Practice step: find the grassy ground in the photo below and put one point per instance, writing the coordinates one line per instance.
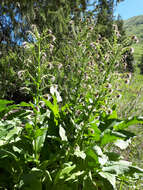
(131, 104)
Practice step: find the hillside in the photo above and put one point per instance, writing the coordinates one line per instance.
(134, 26)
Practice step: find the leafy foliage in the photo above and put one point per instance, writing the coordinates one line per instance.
(62, 139)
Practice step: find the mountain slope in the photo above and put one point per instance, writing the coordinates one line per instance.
(134, 26)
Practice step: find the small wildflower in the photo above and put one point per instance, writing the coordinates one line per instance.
(44, 57)
(88, 20)
(108, 85)
(118, 34)
(51, 48)
(91, 130)
(21, 74)
(89, 107)
(49, 31)
(125, 65)
(131, 50)
(97, 118)
(127, 81)
(129, 75)
(109, 111)
(60, 66)
(91, 28)
(78, 112)
(110, 91)
(135, 39)
(71, 22)
(92, 44)
(118, 96)
(79, 44)
(96, 95)
(115, 27)
(53, 78)
(54, 38)
(99, 37)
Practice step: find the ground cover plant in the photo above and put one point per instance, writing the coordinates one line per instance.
(64, 137)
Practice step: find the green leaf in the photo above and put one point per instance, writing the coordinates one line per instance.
(107, 137)
(113, 115)
(75, 175)
(5, 102)
(5, 153)
(68, 167)
(113, 156)
(79, 153)
(125, 124)
(16, 149)
(40, 139)
(30, 130)
(109, 177)
(62, 133)
(91, 154)
(24, 104)
(122, 144)
(118, 168)
(102, 158)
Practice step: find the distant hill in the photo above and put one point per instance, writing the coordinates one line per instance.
(134, 26)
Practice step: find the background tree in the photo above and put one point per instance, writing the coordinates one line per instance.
(104, 17)
(128, 55)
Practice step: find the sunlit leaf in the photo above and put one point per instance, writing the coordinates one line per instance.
(62, 133)
(110, 177)
(122, 144)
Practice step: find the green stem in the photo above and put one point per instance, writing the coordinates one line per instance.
(121, 185)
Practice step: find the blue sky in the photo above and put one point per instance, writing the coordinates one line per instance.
(129, 8)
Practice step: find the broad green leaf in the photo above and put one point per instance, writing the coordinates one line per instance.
(98, 150)
(48, 104)
(125, 124)
(113, 115)
(79, 153)
(113, 156)
(24, 104)
(75, 175)
(62, 133)
(5, 153)
(54, 92)
(135, 169)
(122, 144)
(118, 168)
(91, 154)
(68, 167)
(109, 177)
(40, 139)
(103, 159)
(16, 149)
(108, 138)
(13, 132)
(53, 107)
